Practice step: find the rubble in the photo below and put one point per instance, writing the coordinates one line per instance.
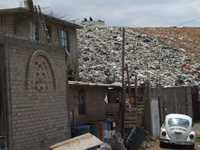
(148, 57)
(105, 146)
(149, 141)
(117, 142)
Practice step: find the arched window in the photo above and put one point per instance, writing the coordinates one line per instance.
(81, 103)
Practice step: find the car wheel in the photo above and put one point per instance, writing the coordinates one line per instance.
(162, 144)
(192, 147)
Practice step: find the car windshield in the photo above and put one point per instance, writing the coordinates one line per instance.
(178, 122)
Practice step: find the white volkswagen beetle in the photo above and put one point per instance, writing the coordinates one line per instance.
(177, 129)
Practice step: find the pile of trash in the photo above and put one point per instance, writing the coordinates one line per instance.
(149, 142)
(116, 143)
(147, 57)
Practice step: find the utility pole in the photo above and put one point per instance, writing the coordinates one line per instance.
(128, 80)
(136, 88)
(136, 96)
(123, 96)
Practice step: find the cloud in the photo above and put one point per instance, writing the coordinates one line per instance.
(124, 12)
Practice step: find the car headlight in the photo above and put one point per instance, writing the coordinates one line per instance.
(163, 133)
(191, 136)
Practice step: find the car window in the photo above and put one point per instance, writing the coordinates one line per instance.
(178, 122)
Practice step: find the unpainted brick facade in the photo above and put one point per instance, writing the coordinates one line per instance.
(35, 75)
(20, 23)
(38, 113)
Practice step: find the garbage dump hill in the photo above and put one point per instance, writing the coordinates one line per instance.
(186, 38)
(148, 57)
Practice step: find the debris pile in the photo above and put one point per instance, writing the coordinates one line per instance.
(117, 142)
(100, 58)
(185, 38)
(149, 142)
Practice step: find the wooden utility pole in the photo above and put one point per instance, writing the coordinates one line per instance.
(123, 97)
(136, 99)
(128, 80)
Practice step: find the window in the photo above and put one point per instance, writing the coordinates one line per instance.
(35, 31)
(178, 122)
(64, 39)
(81, 103)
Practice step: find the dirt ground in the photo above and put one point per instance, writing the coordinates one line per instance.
(157, 147)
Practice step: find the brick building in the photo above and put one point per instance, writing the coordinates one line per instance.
(35, 50)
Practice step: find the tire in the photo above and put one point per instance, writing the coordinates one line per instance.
(192, 147)
(162, 144)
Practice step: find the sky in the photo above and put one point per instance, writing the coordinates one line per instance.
(139, 13)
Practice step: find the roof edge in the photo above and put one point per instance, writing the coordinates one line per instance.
(11, 11)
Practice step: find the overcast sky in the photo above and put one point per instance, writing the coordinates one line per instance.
(123, 12)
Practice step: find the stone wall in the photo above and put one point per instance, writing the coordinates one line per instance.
(38, 112)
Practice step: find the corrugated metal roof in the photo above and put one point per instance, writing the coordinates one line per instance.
(82, 142)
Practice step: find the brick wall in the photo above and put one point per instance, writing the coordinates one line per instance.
(6, 24)
(37, 95)
(20, 27)
(3, 98)
(73, 63)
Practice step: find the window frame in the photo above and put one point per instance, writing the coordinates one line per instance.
(64, 39)
(35, 31)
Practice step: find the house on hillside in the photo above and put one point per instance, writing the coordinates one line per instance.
(35, 51)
